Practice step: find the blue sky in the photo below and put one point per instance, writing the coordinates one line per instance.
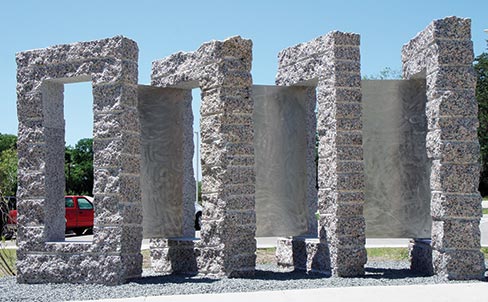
(163, 27)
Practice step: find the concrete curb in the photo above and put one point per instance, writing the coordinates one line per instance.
(466, 292)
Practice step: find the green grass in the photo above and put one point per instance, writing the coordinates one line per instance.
(263, 256)
(7, 262)
(146, 259)
(383, 254)
(374, 254)
(484, 250)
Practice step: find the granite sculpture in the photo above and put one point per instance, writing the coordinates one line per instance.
(114, 255)
(143, 147)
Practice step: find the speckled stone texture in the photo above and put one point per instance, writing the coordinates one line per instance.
(114, 256)
(303, 253)
(221, 69)
(443, 54)
(174, 255)
(420, 254)
(332, 63)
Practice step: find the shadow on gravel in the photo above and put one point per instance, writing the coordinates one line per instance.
(292, 275)
(178, 279)
(390, 273)
(371, 273)
(259, 275)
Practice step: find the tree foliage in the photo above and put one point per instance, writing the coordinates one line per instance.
(78, 168)
(7, 141)
(481, 68)
(8, 164)
(8, 172)
(385, 74)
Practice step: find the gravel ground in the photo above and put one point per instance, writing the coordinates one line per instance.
(268, 277)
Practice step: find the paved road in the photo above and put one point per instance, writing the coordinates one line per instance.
(269, 242)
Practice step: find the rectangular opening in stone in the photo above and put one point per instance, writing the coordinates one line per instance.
(69, 168)
(197, 165)
(78, 166)
(280, 157)
(166, 161)
(397, 192)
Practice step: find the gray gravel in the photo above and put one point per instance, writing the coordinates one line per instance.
(268, 277)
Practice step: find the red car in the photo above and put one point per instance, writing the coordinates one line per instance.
(79, 216)
(79, 213)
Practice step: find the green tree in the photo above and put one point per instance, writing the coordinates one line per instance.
(8, 172)
(79, 168)
(481, 68)
(385, 74)
(7, 141)
(8, 164)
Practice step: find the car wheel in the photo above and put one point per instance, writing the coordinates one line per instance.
(79, 232)
(198, 221)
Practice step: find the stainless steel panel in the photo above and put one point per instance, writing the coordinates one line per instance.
(161, 118)
(280, 157)
(397, 169)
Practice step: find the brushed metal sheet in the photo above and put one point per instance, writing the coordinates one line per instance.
(397, 192)
(280, 157)
(160, 112)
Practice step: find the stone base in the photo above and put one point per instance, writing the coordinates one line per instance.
(349, 262)
(303, 253)
(186, 255)
(420, 254)
(174, 255)
(75, 263)
(459, 264)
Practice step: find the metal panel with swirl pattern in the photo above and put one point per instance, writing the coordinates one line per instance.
(280, 155)
(397, 169)
(161, 114)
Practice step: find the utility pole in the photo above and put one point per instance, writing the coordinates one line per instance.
(197, 165)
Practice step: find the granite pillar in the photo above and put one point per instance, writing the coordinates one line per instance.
(331, 63)
(443, 55)
(221, 69)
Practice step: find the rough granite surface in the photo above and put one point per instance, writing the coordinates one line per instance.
(332, 63)
(221, 69)
(443, 54)
(303, 253)
(114, 255)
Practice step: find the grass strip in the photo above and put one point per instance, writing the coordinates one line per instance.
(8, 258)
